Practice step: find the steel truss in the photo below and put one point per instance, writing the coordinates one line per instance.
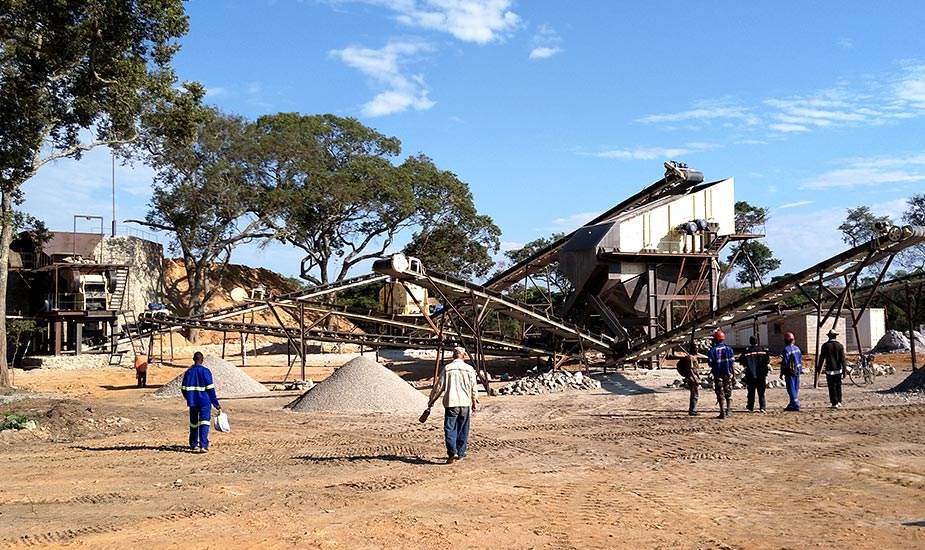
(832, 279)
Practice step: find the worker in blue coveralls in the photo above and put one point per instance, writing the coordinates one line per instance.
(790, 366)
(721, 359)
(199, 391)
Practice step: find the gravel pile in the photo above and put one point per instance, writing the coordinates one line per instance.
(362, 385)
(895, 341)
(550, 382)
(230, 381)
(914, 383)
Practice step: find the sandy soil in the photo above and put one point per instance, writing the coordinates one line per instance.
(623, 467)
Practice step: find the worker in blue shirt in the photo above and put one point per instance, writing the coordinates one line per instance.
(721, 359)
(199, 391)
(790, 366)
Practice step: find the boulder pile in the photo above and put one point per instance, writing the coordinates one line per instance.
(550, 382)
(706, 382)
(878, 370)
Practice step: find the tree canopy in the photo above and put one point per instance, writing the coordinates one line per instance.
(752, 260)
(860, 225)
(913, 258)
(335, 193)
(204, 197)
(75, 75)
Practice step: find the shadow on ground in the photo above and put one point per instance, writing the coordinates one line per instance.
(363, 458)
(128, 448)
(130, 387)
(619, 384)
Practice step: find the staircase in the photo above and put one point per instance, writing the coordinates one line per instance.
(120, 289)
(131, 330)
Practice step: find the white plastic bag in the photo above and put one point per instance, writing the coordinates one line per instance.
(221, 422)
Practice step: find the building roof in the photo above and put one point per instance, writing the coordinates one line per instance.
(67, 243)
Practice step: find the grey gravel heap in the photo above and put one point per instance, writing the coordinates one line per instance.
(550, 382)
(914, 383)
(895, 341)
(706, 382)
(878, 369)
(230, 381)
(361, 385)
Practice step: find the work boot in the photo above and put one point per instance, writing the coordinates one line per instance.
(693, 413)
(728, 407)
(722, 413)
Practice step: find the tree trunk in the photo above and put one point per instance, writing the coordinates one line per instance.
(6, 236)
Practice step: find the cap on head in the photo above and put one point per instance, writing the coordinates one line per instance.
(832, 333)
(459, 352)
(719, 336)
(197, 357)
(788, 337)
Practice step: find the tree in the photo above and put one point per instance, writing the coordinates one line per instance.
(860, 225)
(337, 196)
(913, 258)
(461, 247)
(203, 196)
(753, 261)
(749, 218)
(72, 66)
(550, 278)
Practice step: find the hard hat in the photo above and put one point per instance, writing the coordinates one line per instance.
(719, 335)
(789, 336)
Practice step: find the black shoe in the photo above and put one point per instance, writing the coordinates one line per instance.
(693, 413)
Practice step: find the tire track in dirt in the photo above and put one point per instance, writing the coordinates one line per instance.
(68, 535)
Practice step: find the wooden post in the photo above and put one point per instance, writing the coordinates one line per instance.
(224, 339)
(302, 337)
(818, 333)
(911, 324)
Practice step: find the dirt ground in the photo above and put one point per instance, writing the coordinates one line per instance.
(621, 467)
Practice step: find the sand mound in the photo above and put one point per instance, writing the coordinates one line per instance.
(914, 383)
(362, 385)
(230, 381)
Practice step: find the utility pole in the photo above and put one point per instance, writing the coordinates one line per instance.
(113, 193)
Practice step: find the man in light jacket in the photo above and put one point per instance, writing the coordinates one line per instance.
(458, 385)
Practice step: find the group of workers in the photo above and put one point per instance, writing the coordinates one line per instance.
(457, 385)
(757, 365)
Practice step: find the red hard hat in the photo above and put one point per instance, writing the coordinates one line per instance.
(788, 336)
(719, 335)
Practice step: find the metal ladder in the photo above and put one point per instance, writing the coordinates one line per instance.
(130, 329)
(120, 289)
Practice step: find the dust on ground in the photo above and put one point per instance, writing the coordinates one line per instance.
(620, 467)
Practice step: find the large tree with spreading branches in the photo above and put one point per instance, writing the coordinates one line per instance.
(74, 75)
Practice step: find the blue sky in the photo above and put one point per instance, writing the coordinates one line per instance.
(554, 111)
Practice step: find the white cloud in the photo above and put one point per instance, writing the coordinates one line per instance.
(845, 43)
(386, 67)
(704, 111)
(863, 101)
(654, 153)
(911, 87)
(510, 245)
(871, 171)
(543, 52)
(478, 21)
(794, 204)
(546, 43)
(571, 222)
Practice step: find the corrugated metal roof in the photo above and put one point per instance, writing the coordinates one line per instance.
(67, 243)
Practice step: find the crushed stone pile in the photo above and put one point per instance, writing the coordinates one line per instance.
(914, 383)
(895, 341)
(706, 381)
(550, 382)
(876, 368)
(361, 385)
(230, 381)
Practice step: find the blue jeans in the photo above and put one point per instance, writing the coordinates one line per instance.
(793, 391)
(456, 430)
(199, 418)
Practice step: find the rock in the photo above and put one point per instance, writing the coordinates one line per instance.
(30, 425)
(550, 382)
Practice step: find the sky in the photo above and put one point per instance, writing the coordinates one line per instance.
(554, 111)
